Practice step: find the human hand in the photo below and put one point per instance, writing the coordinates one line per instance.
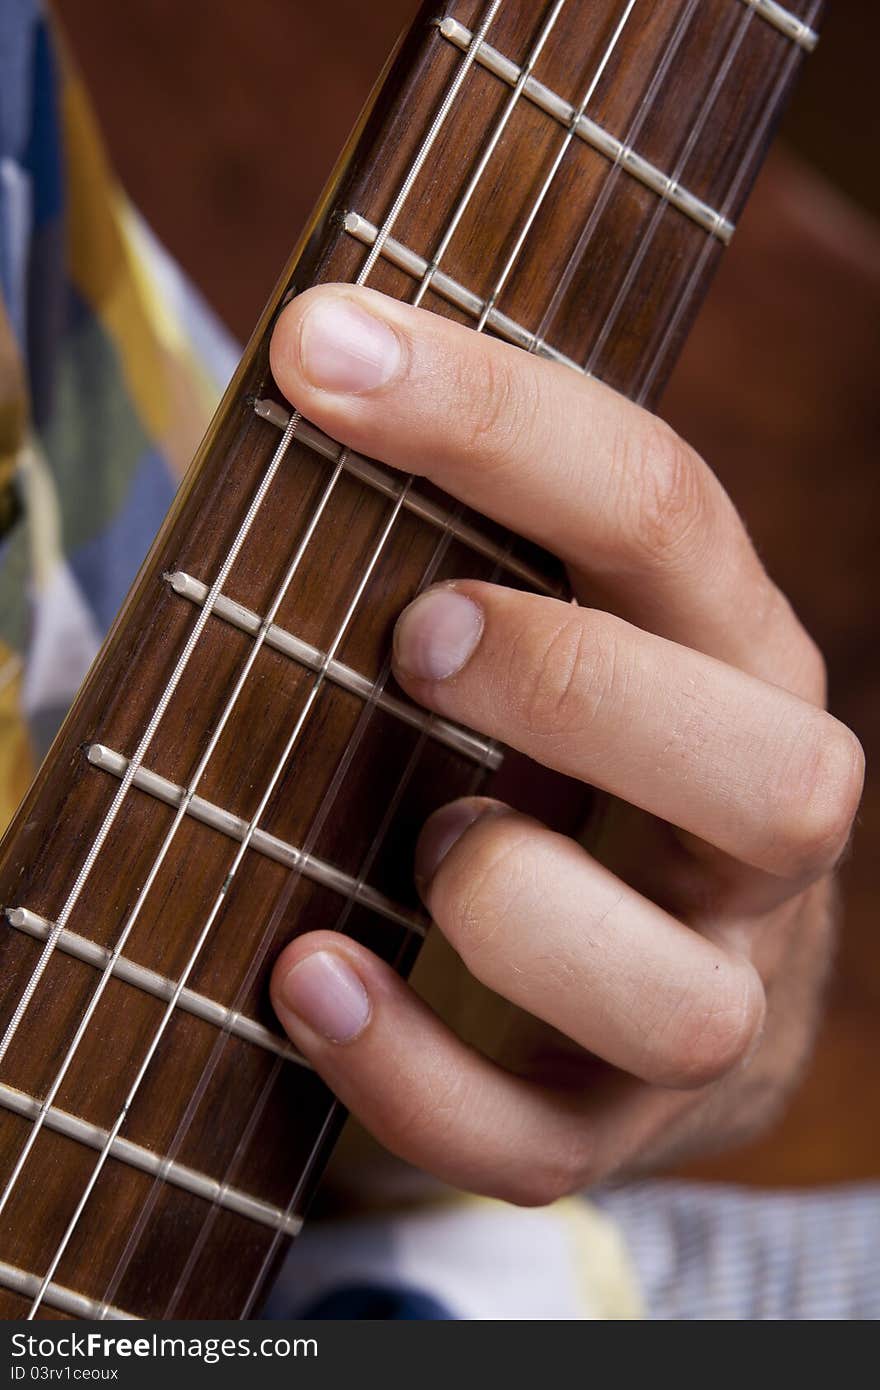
(684, 942)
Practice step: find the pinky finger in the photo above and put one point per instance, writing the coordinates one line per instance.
(422, 1092)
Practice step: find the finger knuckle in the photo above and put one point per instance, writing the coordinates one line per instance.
(499, 404)
(557, 684)
(823, 797)
(713, 1029)
(667, 495)
(555, 1174)
(487, 883)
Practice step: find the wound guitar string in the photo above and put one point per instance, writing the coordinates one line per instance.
(142, 748)
(413, 760)
(422, 289)
(281, 906)
(445, 536)
(645, 241)
(610, 183)
(426, 579)
(378, 839)
(771, 106)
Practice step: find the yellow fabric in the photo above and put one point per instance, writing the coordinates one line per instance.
(16, 755)
(101, 266)
(610, 1283)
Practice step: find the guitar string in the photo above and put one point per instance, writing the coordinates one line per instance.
(335, 1106)
(423, 287)
(771, 106)
(380, 836)
(461, 73)
(646, 240)
(216, 588)
(445, 537)
(377, 840)
(747, 164)
(550, 177)
(610, 184)
(279, 908)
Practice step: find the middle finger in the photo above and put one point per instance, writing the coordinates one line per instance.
(757, 772)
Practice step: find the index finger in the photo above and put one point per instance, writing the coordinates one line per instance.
(552, 454)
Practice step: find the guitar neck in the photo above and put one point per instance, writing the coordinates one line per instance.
(239, 765)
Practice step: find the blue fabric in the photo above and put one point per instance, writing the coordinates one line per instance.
(106, 565)
(378, 1304)
(18, 23)
(43, 155)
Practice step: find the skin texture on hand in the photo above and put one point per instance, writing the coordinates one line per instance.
(667, 969)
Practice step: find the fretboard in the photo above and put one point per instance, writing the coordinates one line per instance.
(239, 766)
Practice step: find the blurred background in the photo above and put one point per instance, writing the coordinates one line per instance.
(223, 121)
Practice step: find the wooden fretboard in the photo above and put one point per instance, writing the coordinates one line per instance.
(239, 765)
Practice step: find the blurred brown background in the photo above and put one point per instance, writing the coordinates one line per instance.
(223, 121)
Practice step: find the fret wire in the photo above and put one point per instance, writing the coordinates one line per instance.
(58, 1296)
(646, 240)
(316, 1149)
(376, 694)
(390, 484)
(747, 163)
(454, 736)
(207, 1225)
(133, 1155)
(415, 265)
(427, 145)
(219, 901)
(378, 249)
(159, 986)
(619, 152)
(550, 177)
(787, 23)
(261, 842)
(133, 771)
(623, 158)
(143, 746)
(492, 145)
(719, 223)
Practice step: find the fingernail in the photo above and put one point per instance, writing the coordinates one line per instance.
(325, 993)
(343, 348)
(436, 634)
(443, 830)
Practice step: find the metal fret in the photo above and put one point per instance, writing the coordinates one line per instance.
(786, 22)
(415, 265)
(137, 760)
(391, 485)
(594, 135)
(58, 1296)
(159, 986)
(155, 1165)
(246, 620)
(269, 845)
